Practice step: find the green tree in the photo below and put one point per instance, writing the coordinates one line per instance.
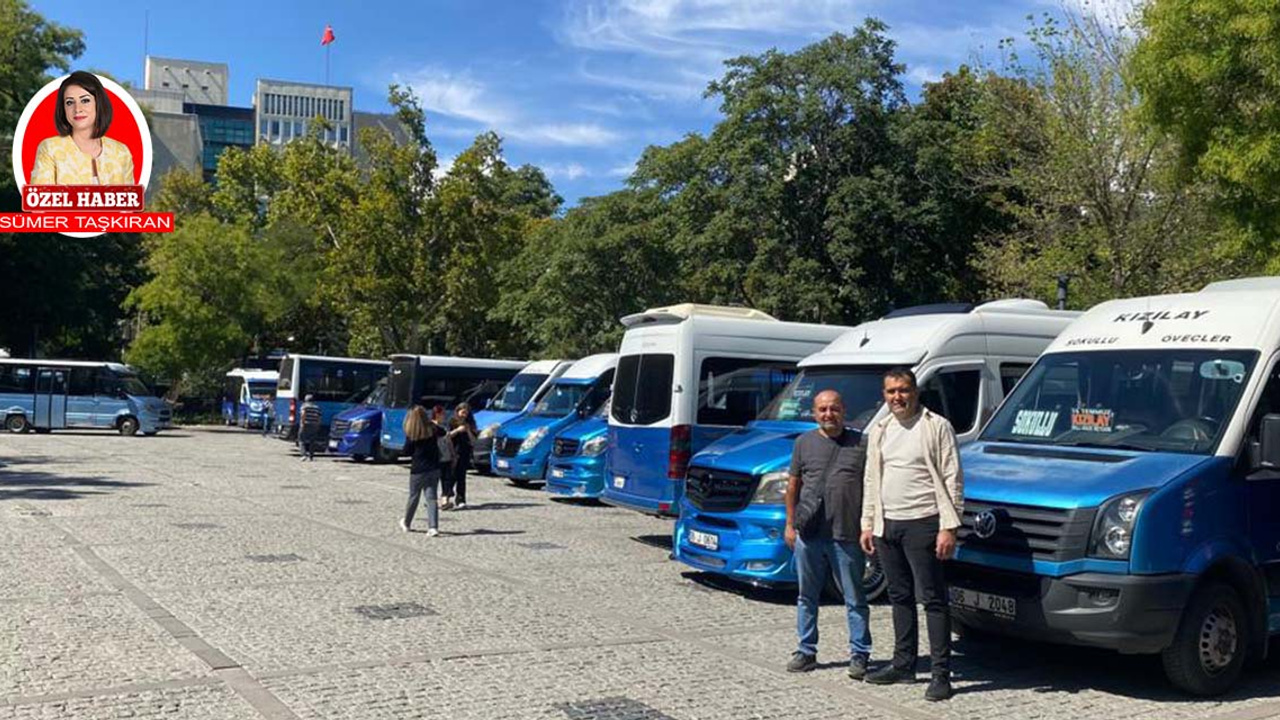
(1093, 193)
(608, 257)
(1209, 74)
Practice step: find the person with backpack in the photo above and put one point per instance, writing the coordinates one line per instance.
(422, 437)
(462, 435)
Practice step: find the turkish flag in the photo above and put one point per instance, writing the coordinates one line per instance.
(328, 35)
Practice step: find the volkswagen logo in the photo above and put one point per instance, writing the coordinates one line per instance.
(985, 524)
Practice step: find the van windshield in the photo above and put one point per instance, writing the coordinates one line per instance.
(561, 400)
(1153, 400)
(642, 388)
(860, 386)
(133, 386)
(517, 393)
(260, 389)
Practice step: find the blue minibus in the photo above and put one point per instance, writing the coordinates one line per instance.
(523, 444)
(519, 395)
(688, 375)
(1126, 495)
(333, 382)
(247, 397)
(44, 395)
(576, 467)
(732, 515)
(430, 380)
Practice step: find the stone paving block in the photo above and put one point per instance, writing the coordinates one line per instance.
(45, 571)
(74, 643)
(191, 703)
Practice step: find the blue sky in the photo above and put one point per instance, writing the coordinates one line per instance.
(577, 87)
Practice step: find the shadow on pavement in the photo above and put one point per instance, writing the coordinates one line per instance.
(32, 485)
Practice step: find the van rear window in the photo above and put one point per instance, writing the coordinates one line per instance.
(642, 388)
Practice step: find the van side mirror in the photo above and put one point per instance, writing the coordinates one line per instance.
(1269, 440)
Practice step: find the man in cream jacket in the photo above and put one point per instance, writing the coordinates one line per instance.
(911, 507)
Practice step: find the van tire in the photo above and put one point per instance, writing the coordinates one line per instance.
(17, 424)
(128, 426)
(1208, 651)
(873, 582)
(382, 455)
(358, 457)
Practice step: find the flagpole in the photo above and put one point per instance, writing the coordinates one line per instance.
(326, 63)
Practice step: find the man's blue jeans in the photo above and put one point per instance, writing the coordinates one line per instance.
(815, 559)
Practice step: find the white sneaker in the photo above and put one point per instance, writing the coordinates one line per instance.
(460, 506)
(403, 526)
(432, 532)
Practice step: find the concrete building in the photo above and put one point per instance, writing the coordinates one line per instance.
(286, 109)
(203, 83)
(221, 127)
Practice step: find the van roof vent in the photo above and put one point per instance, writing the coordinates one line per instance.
(934, 309)
(684, 311)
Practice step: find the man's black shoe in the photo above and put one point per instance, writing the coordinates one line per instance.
(939, 688)
(801, 662)
(858, 667)
(890, 674)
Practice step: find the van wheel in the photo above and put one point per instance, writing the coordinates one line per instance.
(357, 457)
(1208, 651)
(128, 426)
(383, 455)
(17, 424)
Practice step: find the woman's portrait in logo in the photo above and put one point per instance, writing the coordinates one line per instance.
(82, 129)
(81, 153)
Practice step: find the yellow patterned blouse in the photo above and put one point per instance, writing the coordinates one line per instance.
(60, 162)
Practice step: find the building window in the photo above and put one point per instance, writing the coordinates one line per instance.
(275, 129)
(342, 134)
(297, 129)
(262, 128)
(204, 88)
(164, 84)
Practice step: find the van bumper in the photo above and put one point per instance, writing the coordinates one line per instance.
(576, 477)
(1127, 613)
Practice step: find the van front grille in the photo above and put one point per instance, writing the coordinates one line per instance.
(1037, 532)
(717, 490)
(565, 447)
(507, 446)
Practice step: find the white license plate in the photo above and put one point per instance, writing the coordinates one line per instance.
(504, 464)
(557, 472)
(619, 481)
(708, 541)
(986, 602)
(333, 444)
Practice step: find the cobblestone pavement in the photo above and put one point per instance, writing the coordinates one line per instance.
(207, 573)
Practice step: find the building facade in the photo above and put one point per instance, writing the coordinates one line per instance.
(285, 110)
(203, 83)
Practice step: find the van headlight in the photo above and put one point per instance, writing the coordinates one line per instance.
(1113, 530)
(359, 425)
(532, 440)
(595, 446)
(488, 432)
(772, 489)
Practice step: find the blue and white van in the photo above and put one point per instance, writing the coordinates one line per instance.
(1127, 493)
(247, 397)
(519, 396)
(335, 383)
(967, 358)
(523, 444)
(576, 467)
(44, 395)
(430, 380)
(355, 432)
(687, 376)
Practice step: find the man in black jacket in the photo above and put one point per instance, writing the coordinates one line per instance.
(824, 507)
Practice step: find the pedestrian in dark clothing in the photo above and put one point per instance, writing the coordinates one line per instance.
(462, 434)
(446, 456)
(912, 504)
(824, 504)
(309, 419)
(422, 445)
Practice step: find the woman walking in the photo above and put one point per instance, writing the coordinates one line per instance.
(462, 434)
(422, 444)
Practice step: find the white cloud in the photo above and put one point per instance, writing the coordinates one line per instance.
(573, 134)
(622, 171)
(566, 171)
(454, 95)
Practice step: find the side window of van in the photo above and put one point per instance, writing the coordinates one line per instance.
(17, 379)
(1010, 374)
(82, 379)
(954, 396)
(733, 391)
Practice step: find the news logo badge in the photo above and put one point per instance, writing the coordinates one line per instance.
(82, 157)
